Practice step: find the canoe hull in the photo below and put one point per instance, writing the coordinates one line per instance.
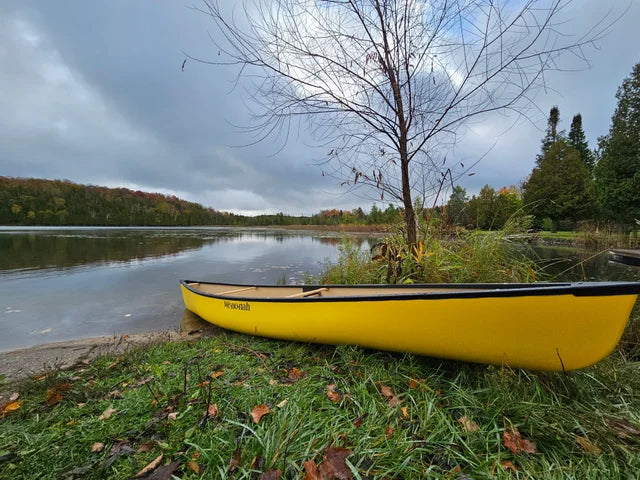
(549, 332)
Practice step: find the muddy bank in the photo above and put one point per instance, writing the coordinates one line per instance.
(25, 362)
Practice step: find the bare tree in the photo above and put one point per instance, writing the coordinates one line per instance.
(387, 85)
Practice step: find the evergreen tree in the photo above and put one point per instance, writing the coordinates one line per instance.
(618, 171)
(552, 134)
(578, 141)
(456, 211)
(560, 187)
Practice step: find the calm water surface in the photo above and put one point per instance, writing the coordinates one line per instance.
(59, 284)
(64, 283)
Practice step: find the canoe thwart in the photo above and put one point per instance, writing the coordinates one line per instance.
(306, 294)
(236, 290)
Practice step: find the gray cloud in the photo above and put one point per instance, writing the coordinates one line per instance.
(94, 93)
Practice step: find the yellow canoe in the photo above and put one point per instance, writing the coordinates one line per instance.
(543, 326)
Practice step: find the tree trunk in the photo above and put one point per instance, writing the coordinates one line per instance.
(409, 213)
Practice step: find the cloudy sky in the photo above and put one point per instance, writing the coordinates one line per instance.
(93, 92)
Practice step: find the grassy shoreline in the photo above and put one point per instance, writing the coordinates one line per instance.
(438, 419)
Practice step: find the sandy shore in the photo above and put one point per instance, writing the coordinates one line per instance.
(17, 364)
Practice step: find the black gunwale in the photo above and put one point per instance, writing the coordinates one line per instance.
(490, 290)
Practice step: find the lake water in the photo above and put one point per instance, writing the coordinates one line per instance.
(64, 283)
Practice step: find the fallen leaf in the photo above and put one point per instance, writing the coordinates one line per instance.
(311, 471)
(164, 472)
(508, 465)
(14, 396)
(358, 421)
(193, 466)
(392, 399)
(273, 382)
(295, 375)
(150, 466)
(405, 412)
(122, 447)
(388, 431)
(145, 447)
(53, 397)
(203, 384)
(54, 394)
(512, 439)
(413, 384)
(107, 413)
(172, 415)
(97, 447)
(212, 410)
(37, 378)
(234, 463)
(271, 475)
(116, 362)
(334, 465)
(588, 446)
(7, 408)
(623, 428)
(217, 374)
(467, 424)
(259, 411)
(333, 394)
(166, 362)
(282, 403)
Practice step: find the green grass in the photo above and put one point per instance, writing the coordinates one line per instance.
(552, 409)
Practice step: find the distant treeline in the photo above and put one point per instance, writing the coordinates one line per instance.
(29, 201)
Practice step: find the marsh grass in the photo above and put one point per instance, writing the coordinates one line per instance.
(145, 385)
(443, 255)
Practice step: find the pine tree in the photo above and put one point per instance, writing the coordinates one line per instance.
(618, 171)
(578, 141)
(552, 135)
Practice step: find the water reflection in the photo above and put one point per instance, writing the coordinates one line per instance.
(36, 249)
(570, 264)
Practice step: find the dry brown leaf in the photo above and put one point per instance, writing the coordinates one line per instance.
(259, 411)
(294, 375)
(508, 465)
(392, 399)
(150, 466)
(468, 424)
(282, 403)
(234, 463)
(107, 413)
(116, 362)
(212, 410)
(193, 466)
(412, 383)
(37, 378)
(273, 382)
(388, 431)
(271, 475)
(512, 439)
(333, 394)
(334, 465)
(164, 472)
(311, 471)
(172, 415)
(97, 447)
(623, 428)
(7, 408)
(358, 421)
(405, 412)
(145, 447)
(53, 397)
(217, 374)
(588, 446)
